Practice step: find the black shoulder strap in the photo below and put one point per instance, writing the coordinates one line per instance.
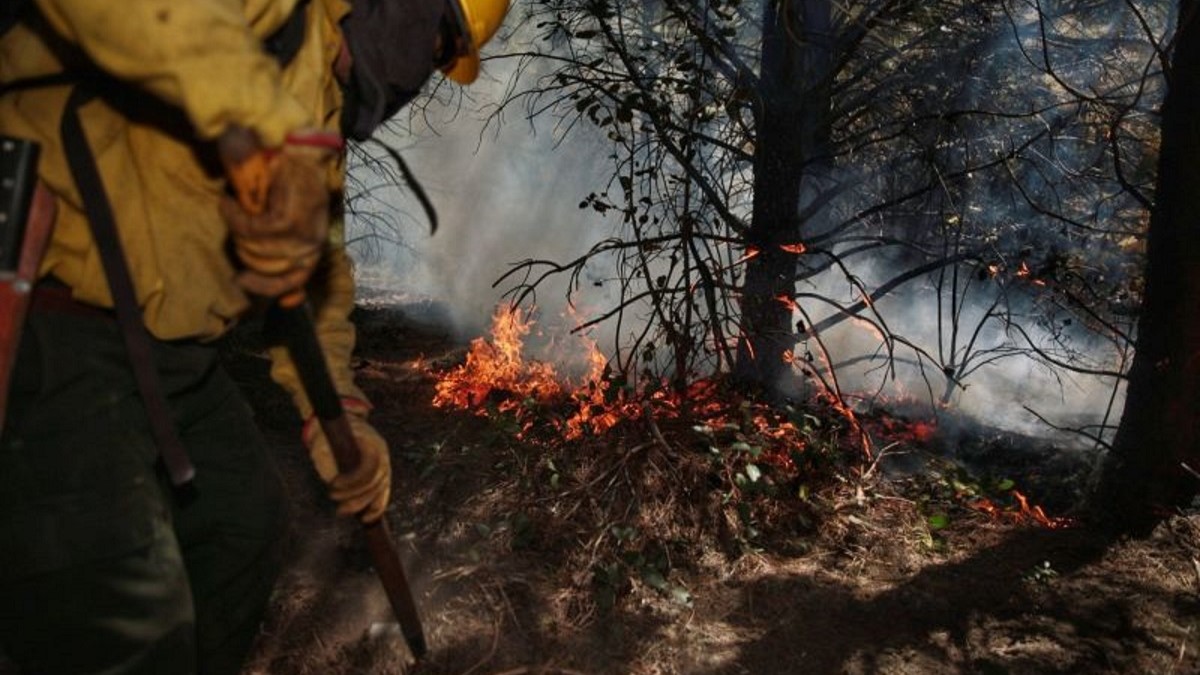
(11, 12)
(137, 341)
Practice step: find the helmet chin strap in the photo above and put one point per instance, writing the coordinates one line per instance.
(476, 22)
(454, 22)
(451, 43)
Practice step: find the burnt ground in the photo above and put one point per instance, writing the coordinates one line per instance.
(633, 553)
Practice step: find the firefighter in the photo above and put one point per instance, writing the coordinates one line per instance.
(209, 126)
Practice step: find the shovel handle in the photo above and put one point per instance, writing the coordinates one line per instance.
(290, 316)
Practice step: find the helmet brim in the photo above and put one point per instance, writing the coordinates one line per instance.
(464, 70)
(477, 24)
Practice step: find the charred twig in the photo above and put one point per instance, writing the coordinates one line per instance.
(1099, 440)
(885, 451)
(609, 472)
(527, 670)
(1195, 474)
(648, 414)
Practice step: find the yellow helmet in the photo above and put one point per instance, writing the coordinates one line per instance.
(478, 21)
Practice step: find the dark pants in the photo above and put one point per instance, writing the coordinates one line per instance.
(102, 568)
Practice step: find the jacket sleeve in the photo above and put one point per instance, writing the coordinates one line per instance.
(331, 292)
(200, 55)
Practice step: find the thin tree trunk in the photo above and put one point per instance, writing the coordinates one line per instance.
(1147, 473)
(792, 130)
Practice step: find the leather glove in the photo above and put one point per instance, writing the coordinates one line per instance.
(279, 220)
(366, 490)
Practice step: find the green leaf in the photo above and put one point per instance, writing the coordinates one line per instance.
(938, 521)
(964, 488)
(655, 579)
(623, 533)
(753, 472)
(1005, 485)
(680, 595)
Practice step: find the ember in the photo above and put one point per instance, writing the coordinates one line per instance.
(1021, 512)
(1023, 272)
(786, 300)
(893, 430)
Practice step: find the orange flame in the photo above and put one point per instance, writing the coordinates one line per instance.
(496, 370)
(1023, 272)
(898, 430)
(1022, 513)
(496, 378)
(751, 253)
(498, 366)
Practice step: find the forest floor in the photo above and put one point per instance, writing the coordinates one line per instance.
(639, 551)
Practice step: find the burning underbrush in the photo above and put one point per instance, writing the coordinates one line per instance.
(648, 480)
(753, 446)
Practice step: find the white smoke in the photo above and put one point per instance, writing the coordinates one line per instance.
(504, 193)
(511, 192)
(1010, 390)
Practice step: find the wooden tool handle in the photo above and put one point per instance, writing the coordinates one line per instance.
(292, 319)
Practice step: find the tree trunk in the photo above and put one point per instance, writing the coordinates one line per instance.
(792, 126)
(1148, 473)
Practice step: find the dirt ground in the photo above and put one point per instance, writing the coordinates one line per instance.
(625, 554)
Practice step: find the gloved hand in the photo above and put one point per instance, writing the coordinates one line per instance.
(279, 220)
(366, 490)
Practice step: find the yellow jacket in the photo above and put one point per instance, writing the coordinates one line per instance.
(196, 67)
